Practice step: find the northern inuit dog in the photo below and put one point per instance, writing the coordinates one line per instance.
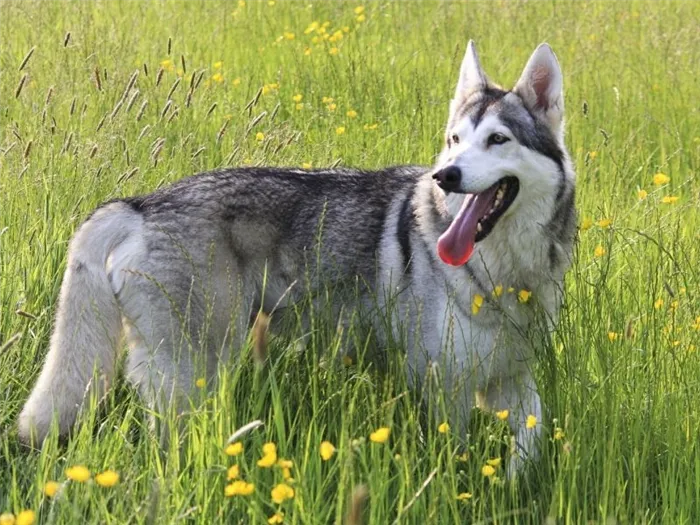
(495, 214)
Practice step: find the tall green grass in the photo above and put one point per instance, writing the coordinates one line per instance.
(621, 380)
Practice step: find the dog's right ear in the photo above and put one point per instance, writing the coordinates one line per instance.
(471, 76)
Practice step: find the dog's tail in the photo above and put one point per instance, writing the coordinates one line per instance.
(84, 345)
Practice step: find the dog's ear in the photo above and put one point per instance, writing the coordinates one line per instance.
(471, 76)
(540, 86)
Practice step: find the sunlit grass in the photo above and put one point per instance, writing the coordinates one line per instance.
(103, 100)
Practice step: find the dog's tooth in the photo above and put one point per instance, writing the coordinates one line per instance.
(478, 226)
(496, 203)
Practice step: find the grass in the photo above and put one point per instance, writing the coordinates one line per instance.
(620, 377)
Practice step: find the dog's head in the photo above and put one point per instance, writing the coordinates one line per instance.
(503, 148)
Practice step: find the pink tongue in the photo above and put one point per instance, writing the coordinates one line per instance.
(455, 246)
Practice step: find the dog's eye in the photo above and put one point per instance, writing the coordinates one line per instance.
(497, 138)
(455, 139)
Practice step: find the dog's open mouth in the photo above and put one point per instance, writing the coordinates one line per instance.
(479, 214)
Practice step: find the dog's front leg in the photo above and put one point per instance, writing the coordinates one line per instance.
(517, 394)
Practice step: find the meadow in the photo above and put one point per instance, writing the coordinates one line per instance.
(100, 100)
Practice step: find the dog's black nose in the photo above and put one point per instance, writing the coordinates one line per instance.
(449, 178)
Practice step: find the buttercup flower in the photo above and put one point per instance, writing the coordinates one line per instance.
(78, 473)
(487, 471)
(51, 488)
(200, 383)
(498, 290)
(351, 113)
(234, 449)
(642, 194)
(502, 414)
(524, 296)
(381, 435)
(239, 488)
(277, 517)
(444, 428)
(26, 517)
(660, 179)
(327, 450)
(599, 251)
(107, 479)
(340, 130)
(269, 455)
(586, 224)
(259, 136)
(558, 434)
(531, 421)
(495, 462)
(605, 222)
(281, 492)
(477, 301)
(7, 518)
(233, 472)
(464, 496)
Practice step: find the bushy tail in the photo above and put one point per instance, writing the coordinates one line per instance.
(84, 344)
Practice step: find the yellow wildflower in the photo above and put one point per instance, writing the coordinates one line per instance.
(333, 51)
(233, 472)
(605, 222)
(271, 2)
(696, 324)
(281, 492)
(218, 65)
(239, 488)
(285, 463)
(51, 488)
(642, 194)
(464, 496)
(381, 435)
(494, 462)
(259, 136)
(351, 113)
(613, 336)
(340, 130)
(331, 106)
(269, 455)
(444, 428)
(463, 457)
(217, 77)
(531, 421)
(306, 165)
(524, 296)
(359, 9)
(7, 518)
(592, 154)
(107, 479)
(287, 475)
(669, 199)
(277, 517)
(299, 106)
(236, 81)
(586, 224)
(241, 3)
(26, 517)
(346, 29)
(167, 65)
(307, 51)
(298, 98)
(370, 127)
(327, 450)
(558, 434)
(313, 26)
(599, 251)
(477, 301)
(327, 100)
(289, 36)
(487, 471)
(200, 383)
(510, 289)
(78, 473)
(234, 448)
(660, 179)
(361, 18)
(498, 290)
(503, 414)
(658, 303)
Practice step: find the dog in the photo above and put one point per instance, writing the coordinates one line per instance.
(467, 252)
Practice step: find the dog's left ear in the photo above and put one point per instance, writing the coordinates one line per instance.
(540, 86)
